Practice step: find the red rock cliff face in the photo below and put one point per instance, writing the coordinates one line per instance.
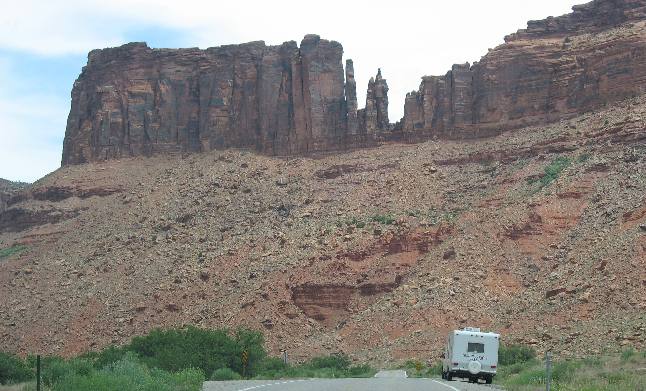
(134, 100)
(554, 69)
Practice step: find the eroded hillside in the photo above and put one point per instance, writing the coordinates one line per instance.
(539, 234)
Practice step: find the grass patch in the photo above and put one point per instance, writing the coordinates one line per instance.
(584, 157)
(383, 219)
(222, 374)
(417, 369)
(334, 366)
(599, 373)
(627, 354)
(436, 216)
(13, 369)
(178, 349)
(130, 373)
(175, 359)
(13, 250)
(551, 172)
(514, 354)
(355, 222)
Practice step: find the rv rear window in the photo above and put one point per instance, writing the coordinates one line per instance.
(475, 347)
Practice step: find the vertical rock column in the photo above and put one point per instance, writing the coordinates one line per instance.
(376, 111)
(351, 98)
(323, 92)
(381, 98)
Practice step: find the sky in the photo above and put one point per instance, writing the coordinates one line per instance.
(44, 45)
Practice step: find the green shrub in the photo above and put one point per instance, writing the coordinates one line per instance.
(364, 370)
(208, 350)
(627, 354)
(130, 374)
(107, 356)
(512, 354)
(435, 370)
(383, 219)
(563, 371)
(513, 369)
(13, 369)
(355, 223)
(437, 216)
(597, 373)
(9, 251)
(340, 361)
(56, 368)
(251, 342)
(272, 364)
(225, 374)
(584, 157)
(335, 366)
(552, 171)
(411, 364)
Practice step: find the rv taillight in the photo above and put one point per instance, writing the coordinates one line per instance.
(493, 366)
(455, 364)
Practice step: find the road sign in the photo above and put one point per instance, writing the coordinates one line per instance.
(245, 361)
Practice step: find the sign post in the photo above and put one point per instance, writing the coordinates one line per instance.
(284, 351)
(38, 372)
(548, 371)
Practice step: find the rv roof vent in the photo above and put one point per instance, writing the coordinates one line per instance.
(472, 329)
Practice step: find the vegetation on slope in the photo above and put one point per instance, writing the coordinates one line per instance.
(175, 359)
(600, 373)
(9, 251)
(521, 370)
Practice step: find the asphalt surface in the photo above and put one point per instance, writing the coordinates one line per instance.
(383, 381)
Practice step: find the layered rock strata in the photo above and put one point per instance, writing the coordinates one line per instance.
(134, 100)
(556, 68)
(286, 99)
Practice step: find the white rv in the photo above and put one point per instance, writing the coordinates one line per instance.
(471, 354)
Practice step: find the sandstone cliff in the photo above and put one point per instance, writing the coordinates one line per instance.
(554, 69)
(134, 100)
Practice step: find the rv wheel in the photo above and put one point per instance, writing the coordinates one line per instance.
(488, 379)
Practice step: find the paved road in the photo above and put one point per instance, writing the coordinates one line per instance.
(383, 381)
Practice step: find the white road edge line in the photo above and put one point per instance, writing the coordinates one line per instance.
(269, 384)
(405, 374)
(444, 384)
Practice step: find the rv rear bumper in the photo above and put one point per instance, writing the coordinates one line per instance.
(467, 374)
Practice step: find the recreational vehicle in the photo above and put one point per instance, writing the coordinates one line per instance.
(471, 354)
